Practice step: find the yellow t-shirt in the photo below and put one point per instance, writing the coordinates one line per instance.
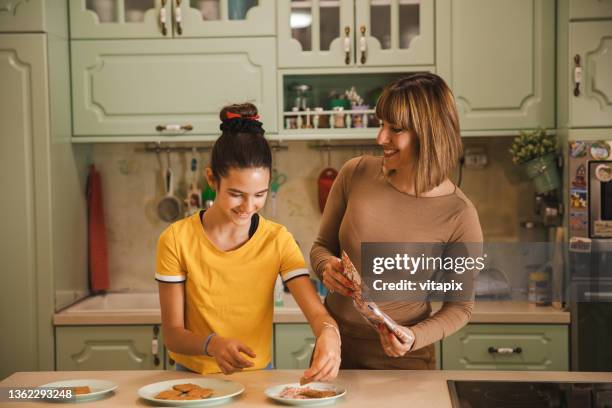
(229, 293)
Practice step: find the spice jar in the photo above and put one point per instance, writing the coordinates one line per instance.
(538, 291)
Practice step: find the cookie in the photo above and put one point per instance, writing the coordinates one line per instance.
(169, 395)
(82, 390)
(185, 387)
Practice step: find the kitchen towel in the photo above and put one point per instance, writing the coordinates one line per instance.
(98, 250)
(325, 182)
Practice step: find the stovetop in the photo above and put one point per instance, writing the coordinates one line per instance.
(517, 394)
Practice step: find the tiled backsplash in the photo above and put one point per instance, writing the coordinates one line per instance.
(132, 185)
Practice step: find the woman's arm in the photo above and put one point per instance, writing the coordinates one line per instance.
(326, 358)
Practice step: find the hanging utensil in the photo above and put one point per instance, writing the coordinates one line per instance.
(169, 208)
(194, 196)
(278, 179)
(325, 181)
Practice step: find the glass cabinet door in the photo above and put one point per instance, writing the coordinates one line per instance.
(224, 18)
(315, 33)
(120, 19)
(394, 32)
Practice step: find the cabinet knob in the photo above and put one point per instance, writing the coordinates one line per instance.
(363, 44)
(505, 350)
(577, 75)
(174, 127)
(178, 18)
(347, 45)
(163, 17)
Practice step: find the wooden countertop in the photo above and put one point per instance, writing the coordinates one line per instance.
(365, 388)
(484, 312)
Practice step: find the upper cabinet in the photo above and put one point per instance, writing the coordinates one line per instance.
(28, 16)
(498, 57)
(590, 9)
(174, 88)
(340, 33)
(102, 19)
(591, 82)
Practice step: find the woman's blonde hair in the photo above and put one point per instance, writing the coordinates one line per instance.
(423, 104)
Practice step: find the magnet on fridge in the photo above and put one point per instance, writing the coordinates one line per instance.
(579, 180)
(578, 199)
(577, 148)
(600, 150)
(579, 244)
(578, 221)
(603, 172)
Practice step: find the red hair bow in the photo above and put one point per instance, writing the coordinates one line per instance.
(232, 115)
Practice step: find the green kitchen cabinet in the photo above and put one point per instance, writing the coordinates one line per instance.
(293, 346)
(590, 100)
(109, 348)
(355, 33)
(590, 9)
(30, 16)
(132, 19)
(498, 58)
(507, 347)
(169, 88)
(43, 243)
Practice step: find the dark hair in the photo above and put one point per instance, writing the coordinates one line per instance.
(242, 143)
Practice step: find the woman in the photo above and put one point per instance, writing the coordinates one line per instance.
(217, 269)
(405, 196)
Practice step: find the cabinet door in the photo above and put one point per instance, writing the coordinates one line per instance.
(22, 16)
(394, 32)
(293, 346)
(507, 347)
(91, 19)
(502, 66)
(108, 348)
(226, 18)
(131, 87)
(590, 9)
(592, 42)
(315, 33)
(24, 132)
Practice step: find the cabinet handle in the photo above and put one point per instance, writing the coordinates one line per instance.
(347, 45)
(155, 346)
(505, 350)
(174, 128)
(363, 44)
(163, 17)
(178, 18)
(577, 75)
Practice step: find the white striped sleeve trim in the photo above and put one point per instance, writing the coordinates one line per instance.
(294, 274)
(168, 278)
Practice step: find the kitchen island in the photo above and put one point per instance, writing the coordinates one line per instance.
(364, 388)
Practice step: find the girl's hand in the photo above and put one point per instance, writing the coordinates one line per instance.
(391, 344)
(229, 354)
(333, 279)
(326, 358)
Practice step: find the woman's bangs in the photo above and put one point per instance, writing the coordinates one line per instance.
(392, 108)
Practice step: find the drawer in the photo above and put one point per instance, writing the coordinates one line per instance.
(507, 347)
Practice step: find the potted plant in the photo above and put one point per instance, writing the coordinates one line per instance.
(536, 152)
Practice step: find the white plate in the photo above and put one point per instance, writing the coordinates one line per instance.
(224, 390)
(99, 388)
(273, 392)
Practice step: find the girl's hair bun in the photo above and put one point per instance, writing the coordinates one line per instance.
(240, 118)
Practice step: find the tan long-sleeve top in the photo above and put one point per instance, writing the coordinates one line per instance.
(364, 207)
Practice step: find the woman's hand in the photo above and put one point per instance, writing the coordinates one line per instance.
(228, 354)
(333, 279)
(326, 358)
(392, 346)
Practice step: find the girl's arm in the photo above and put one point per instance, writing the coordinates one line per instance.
(176, 337)
(326, 357)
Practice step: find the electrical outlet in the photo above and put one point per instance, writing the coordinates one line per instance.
(475, 158)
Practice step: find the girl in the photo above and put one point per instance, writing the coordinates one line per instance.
(217, 269)
(404, 196)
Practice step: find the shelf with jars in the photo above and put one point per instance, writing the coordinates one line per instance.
(331, 105)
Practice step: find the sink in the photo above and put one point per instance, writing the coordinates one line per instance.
(118, 302)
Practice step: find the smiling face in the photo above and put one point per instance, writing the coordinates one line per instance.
(241, 193)
(399, 147)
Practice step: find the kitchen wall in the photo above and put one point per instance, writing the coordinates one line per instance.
(132, 185)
